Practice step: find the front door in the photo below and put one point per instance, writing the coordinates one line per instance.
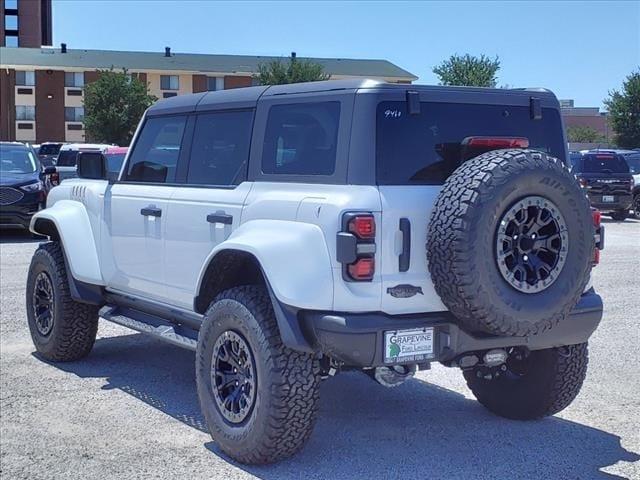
(208, 208)
(136, 211)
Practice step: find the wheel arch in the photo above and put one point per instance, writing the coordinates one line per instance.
(68, 223)
(231, 267)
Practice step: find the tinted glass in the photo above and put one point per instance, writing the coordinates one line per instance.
(114, 161)
(426, 148)
(49, 149)
(155, 155)
(67, 158)
(220, 148)
(301, 139)
(633, 160)
(603, 163)
(17, 159)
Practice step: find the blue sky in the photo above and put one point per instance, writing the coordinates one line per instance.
(580, 50)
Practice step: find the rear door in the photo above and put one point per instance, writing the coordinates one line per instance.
(136, 210)
(207, 206)
(415, 154)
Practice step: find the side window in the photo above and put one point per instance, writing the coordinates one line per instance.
(155, 154)
(220, 148)
(301, 139)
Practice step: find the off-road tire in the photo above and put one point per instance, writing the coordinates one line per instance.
(552, 381)
(636, 206)
(620, 215)
(462, 233)
(75, 324)
(285, 406)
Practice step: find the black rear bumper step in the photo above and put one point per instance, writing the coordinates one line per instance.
(155, 326)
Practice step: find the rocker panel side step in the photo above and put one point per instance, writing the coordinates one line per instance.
(155, 326)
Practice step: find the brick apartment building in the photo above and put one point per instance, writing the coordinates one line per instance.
(42, 88)
(591, 117)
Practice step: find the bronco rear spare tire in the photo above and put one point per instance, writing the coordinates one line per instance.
(510, 242)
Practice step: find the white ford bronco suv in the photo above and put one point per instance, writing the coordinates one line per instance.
(286, 233)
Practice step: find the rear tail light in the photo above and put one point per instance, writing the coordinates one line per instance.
(496, 142)
(356, 248)
(362, 226)
(583, 182)
(363, 269)
(55, 179)
(599, 235)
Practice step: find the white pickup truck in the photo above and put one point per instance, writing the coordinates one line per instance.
(285, 233)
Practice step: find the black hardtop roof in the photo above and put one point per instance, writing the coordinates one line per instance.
(247, 97)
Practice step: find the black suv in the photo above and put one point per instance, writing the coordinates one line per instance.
(23, 184)
(605, 175)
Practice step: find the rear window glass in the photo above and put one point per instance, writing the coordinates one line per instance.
(426, 148)
(52, 149)
(301, 139)
(595, 163)
(67, 158)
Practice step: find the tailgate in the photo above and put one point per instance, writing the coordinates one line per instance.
(409, 291)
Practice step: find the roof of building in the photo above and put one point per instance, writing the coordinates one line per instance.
(189, 62)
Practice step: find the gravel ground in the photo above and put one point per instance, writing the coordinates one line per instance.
(130, 409)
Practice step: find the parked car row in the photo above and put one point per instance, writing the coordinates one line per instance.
(27, 174)
(611, 179)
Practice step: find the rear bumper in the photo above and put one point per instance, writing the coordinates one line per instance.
(623, 202)
(357, 339)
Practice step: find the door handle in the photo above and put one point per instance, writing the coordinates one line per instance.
(220, 217)
(151, 212)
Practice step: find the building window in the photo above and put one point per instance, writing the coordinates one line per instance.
(10, 41)
(74, 93)
(25, 112)
(74, 79)
(11, 22)
(25, 126)
(73, 114)
(74, 126)
(25, 79)
(169, 82)
(212, 84)
(169, 94)
(11, 4)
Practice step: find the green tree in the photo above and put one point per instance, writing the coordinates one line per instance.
(624, 112)
(293, 70)
(583, 134)
(113, 106)
(468, 70)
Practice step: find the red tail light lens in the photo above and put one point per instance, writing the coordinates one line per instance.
(582, 181)
(496, 142)
(363, 226)
(597, 218)
(362, 269)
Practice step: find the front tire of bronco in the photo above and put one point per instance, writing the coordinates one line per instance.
(62, 329)
(259, 398)
(541, 384)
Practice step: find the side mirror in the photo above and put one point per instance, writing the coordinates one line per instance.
(50, 170)
(92, 165)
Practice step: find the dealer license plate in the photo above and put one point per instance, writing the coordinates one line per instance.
(408, 346)
(608, 198)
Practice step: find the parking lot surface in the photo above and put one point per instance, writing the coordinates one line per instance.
(130, 409)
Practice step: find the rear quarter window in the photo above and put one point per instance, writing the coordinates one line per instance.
(301, 139)
(426, 148)
(67, 158)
